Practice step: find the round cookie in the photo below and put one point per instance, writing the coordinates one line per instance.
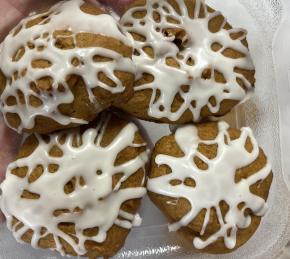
(191, 63)
(60, 68)
(212, 182)
(77, 191)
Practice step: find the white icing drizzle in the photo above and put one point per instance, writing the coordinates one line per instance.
(100, 204)
(215, 184)
(65, 15)
(168, 80)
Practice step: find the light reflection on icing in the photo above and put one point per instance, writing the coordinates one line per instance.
(215, 184)
(99, 202)
(65, 15)
(168, 80)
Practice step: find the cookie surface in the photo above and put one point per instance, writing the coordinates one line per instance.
(212, 182)
(191, 63)
(77, 191)
(60, 68)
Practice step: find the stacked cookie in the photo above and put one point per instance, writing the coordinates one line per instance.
(78, 179)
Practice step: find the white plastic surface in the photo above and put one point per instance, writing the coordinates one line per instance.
(268, 23)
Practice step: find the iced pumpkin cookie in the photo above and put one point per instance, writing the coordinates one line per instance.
(192, 64)
(60, 68)
(212, 182)
(77, 191)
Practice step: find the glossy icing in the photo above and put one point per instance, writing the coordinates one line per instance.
(215, 184)
(65, 15)
(167, 79)
(100, 204)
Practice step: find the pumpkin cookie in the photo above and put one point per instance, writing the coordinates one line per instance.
(212, 182)
(77, 191)
(60, 68)
(191, 63)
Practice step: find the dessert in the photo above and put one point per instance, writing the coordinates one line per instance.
(78, 188)
(60, 68)
(77, 191)
(191, 63)
(212, 182)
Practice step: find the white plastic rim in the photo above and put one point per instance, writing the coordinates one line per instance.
(268, 24)
(281, 54)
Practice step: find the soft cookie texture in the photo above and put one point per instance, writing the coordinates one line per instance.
(191, 63)
(60, 68)
(77, 191)
(212, 182)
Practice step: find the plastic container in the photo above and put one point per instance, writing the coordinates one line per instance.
(267, 22)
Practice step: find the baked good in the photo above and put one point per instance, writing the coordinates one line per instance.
(212, 183)
(191, 63)
(77, 191)
(60, 68)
